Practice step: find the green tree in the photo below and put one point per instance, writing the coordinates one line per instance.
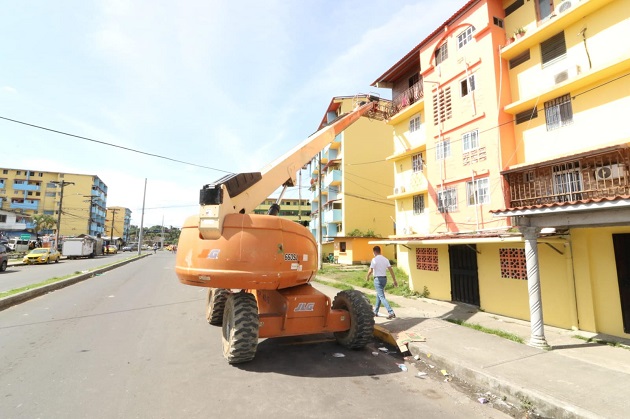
(43, 222)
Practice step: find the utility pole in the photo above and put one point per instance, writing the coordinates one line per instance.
(91, 201)
(62, 183)
(144, 195)
(111, 237)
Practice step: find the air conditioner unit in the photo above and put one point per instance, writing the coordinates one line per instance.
(567, 74)
(613, 171)
(396, 191)
(564, 6)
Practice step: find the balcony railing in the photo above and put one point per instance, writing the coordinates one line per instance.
(407, 98)
(582, 178)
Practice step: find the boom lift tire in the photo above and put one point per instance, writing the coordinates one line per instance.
(361, 319)
(240, 328)
(215, 304)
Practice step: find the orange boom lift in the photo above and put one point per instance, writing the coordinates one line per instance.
(258, 267)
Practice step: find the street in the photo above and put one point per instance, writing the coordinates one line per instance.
(134, 342)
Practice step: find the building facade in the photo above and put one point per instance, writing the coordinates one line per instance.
(120, 219)
(294, 209)
(81, 198)
(511, 162)
(355, 181)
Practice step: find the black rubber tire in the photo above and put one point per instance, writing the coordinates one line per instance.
(240, 328)
(57, 260)
(361, 319)
(3, 266)
(215, 304)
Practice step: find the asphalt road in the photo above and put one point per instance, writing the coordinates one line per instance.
(23, 275)
(134, 343)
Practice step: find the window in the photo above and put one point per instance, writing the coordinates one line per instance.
(519, 59)
(441, 53)
(479, 192)
(442, 109)
(443, 149)
(558, 112)
(3, 218)
(49, 212)
(414, 79)
(447, 200)
(470, 140)
(427, 259)
(418, 204)
(553, 49)
(465, 37)
(416, 162)
(498, 22)
(544, 8)
(5, 172)
(526, 115)
(467, 85)
(567, 182)
(414, 124)
(342, 247)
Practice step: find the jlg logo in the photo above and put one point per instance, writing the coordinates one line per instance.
(305, 307)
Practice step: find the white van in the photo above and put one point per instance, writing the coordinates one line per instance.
(18, 245)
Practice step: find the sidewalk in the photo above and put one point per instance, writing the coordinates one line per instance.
(576, 379)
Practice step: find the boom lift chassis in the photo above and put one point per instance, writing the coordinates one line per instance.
(258, 268)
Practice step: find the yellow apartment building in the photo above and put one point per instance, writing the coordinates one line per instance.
(511, 162)
(120, 218)
(81, 199)
(294, 209)
(355, 181)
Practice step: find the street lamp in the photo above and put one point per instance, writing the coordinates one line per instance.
(62, 183)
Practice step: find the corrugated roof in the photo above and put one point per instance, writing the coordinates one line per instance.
(563, 204)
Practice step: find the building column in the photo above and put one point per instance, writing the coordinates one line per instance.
(537, 338)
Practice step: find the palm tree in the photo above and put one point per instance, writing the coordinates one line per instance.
(43, 222)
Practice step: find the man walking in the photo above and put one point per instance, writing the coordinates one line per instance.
(379, 266)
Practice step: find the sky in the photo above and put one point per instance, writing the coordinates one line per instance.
(227, 85)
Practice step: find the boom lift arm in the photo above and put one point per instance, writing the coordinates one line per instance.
(241, 193)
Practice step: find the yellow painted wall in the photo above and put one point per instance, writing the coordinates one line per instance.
(437, 282)
(359, 250)
(76, 205)
(510, 297)
(597, 285)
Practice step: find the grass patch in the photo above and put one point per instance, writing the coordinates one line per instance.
(355, 276)
(496, 332)
(603, 342)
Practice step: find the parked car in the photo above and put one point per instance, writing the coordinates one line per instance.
(4, 258)
(131, 247)
(42, 255)
(111, 249)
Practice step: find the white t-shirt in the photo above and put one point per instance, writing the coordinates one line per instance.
(379, 265)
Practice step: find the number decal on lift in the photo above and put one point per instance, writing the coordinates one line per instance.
(290, 257)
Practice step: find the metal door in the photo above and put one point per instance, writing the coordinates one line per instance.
(464, 275)
(621, 242)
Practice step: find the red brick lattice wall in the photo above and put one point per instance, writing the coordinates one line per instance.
(427, 259)
(513, 264)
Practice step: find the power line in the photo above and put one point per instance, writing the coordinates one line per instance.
(113, 145)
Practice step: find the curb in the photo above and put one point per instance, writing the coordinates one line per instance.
(543, 404)
(45, 289)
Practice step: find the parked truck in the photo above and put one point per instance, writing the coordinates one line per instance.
(82, 246)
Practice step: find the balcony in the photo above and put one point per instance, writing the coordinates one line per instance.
(25, 186)
(332, 216)
(407, 98)
(583, 177)
(24, 204)
(332, 178)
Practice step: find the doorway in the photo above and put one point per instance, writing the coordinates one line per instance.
(621, 242)
(464, 274)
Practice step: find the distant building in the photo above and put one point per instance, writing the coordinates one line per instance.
(32, 192)
(121, 218)
(11, 221)
(292, 209)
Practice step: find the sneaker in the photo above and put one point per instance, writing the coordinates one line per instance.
(391, 316)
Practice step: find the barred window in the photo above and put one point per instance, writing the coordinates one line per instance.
(416, 162)
(414, 124)
(479, 192)
(443, 149)
(418, 204)
(558, 112)
(447, 200)
(470, 140)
